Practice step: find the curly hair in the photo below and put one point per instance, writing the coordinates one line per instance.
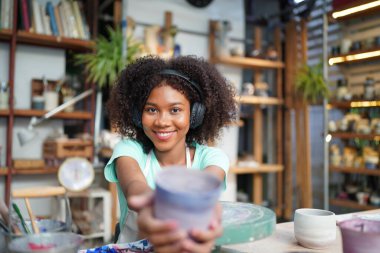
(136, 81)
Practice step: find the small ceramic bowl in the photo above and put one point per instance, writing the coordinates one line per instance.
(314, 228)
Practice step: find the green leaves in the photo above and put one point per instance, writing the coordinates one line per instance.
(104, 65)
(310, 83)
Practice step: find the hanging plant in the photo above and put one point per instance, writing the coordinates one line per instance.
(104, 65)
(310, 83)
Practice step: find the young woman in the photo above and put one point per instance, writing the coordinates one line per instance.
(167, 110)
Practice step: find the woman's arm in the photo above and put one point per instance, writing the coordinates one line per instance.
(131, 178)
(216, 171)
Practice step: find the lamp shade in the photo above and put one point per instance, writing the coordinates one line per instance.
(26, 135)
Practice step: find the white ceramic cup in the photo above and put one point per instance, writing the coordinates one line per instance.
(314, 228)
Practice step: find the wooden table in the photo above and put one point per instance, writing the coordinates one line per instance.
(283, 241)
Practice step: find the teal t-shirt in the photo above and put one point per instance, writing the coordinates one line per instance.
(204, 156)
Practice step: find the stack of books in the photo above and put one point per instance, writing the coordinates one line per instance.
(64, 19)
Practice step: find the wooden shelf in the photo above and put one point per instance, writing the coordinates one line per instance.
(354, 104)
(350, 170)
(4, 113)
(363, 13)
(255, 100)
(3, 171)
(344, 135)
(61, 115)
(351, 204)
(5, 35)
(36, 171)
(53, 41)
(246, 62)
(263, 168)
(357, 56)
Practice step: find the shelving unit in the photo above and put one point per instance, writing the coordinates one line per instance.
(353, 104)
(34, 171)
(346, 64)
(351, 204)
(346, 135)
(350, 170)
(16, 37)
(259, 65)
(357, 56)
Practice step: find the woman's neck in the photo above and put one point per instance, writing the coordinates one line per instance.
(171, 157)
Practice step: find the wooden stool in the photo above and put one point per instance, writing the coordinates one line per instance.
(43, 192)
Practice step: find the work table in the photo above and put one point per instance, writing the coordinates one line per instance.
(283, 240)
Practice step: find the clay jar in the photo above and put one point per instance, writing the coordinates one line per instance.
(314, 228)
(187, 196)
(360, 235)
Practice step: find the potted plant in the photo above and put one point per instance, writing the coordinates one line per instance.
(104, 65)
(310, 83)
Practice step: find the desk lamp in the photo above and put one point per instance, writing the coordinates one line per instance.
(28, 134)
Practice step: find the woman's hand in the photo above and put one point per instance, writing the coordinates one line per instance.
(203, 241)
(164, 235)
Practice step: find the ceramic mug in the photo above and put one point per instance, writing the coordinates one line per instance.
(187, 196)
(314, 228)
(360, 235)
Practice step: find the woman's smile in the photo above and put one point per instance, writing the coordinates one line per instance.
(163, 136)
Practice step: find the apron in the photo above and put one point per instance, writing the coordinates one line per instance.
(130, 231)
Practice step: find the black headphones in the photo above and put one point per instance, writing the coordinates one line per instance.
(197, 109)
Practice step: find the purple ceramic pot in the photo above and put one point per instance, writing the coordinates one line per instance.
(187, 196)
(360, 235)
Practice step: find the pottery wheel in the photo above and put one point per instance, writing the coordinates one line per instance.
(244, 222)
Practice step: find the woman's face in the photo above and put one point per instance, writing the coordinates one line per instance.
(166, 118)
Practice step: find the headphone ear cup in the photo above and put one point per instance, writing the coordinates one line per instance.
(136, 118)
(197, 114)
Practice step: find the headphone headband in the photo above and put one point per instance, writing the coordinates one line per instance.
(193, 84)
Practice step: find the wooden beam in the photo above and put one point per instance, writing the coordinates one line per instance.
(258, 128)
(279, 126)
(211, 39)
(258, 154)
(290, 68)
(307, 189)
(117, 12)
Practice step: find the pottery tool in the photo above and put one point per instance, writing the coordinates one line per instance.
(4, 212)
(17, 210)
(32, 218)
(3, 226)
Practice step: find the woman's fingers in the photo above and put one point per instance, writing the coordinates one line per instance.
(204, 236)
(149, 224)
(168, 248)
(189, 245)
(171, 237)
(138, 202)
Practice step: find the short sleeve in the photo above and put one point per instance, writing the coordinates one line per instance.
(211, 156)
(126, 147)
(216, 157)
